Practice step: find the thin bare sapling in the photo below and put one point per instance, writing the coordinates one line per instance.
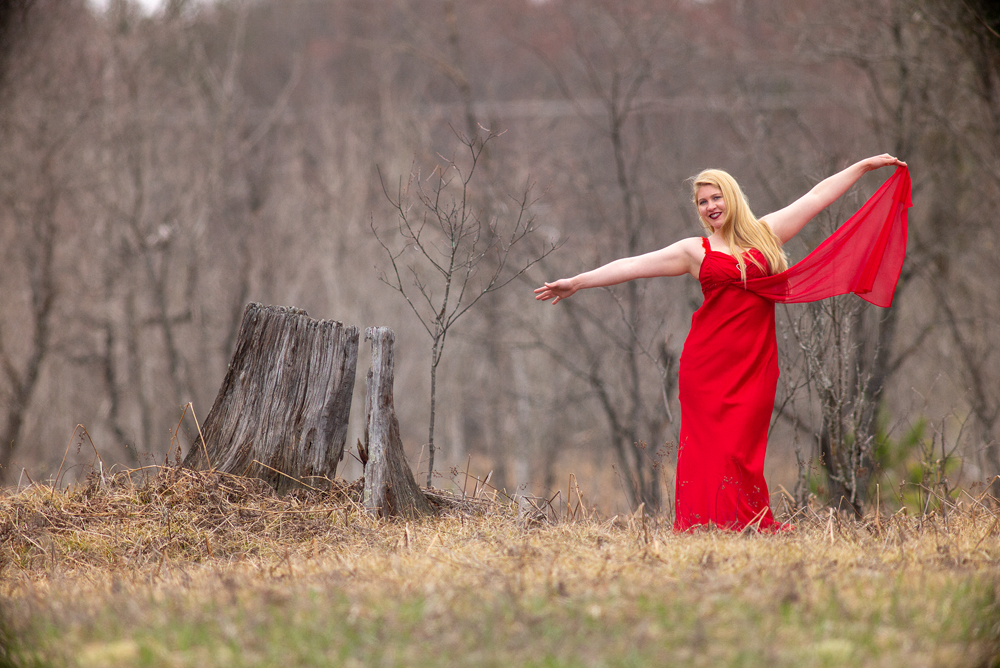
(451, 248)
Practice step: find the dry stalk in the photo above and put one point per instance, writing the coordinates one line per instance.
(69, 445)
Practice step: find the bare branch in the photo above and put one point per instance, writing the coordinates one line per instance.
(468, 257)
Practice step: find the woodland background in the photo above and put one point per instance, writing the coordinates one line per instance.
(159, 171)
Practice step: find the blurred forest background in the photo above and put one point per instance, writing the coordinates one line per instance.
(159, 170)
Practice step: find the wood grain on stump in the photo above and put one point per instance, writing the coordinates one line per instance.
(390, 489)
(282, 411)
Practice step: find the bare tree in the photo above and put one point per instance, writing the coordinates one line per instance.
(439, 45)
(13, 18)
(850, 352)
(37, 194)
(619, 55)
(916, 96)
(969, 116)
(38, 232)
(451, 256)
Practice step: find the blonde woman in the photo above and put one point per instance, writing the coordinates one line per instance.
(729, 366)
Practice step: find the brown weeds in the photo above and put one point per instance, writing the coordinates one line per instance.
(137, 520)
(141, 550)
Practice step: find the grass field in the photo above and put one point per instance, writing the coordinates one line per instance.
(199, 569)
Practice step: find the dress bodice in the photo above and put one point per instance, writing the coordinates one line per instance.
(719, 269)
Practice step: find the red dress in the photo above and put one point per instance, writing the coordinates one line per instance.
(729, 367)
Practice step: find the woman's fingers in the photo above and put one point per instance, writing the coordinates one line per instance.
(551, 291)
(885, 160)
(545, 292)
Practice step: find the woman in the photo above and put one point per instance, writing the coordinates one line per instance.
(729, 367)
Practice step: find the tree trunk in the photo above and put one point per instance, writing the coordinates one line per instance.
(390, 489)
(282, 411)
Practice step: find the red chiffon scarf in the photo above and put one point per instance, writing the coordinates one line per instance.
(864, 256)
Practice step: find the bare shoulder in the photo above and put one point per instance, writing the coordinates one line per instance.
(693, 247)
(690, 247)
(694, 252)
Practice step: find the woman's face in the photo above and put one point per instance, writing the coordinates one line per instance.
(711, 206)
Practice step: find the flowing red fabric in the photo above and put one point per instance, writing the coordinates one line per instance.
(729, 366)
(864, 256)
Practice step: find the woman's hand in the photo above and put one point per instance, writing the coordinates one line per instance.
(560, 289)
(879, 161)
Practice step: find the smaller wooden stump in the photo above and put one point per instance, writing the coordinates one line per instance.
(390, 489)
(282, 411)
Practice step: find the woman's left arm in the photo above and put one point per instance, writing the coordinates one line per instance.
(788, 222)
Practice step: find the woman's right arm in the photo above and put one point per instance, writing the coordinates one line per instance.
(682, 257)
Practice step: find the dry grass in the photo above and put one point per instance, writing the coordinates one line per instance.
(204, 569)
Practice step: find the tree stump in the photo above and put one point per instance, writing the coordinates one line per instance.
(390, 489)
(282, 411)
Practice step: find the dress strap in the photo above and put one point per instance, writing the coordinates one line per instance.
(706, 245)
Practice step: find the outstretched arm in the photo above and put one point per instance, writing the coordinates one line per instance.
(787, 222)
(682, 257)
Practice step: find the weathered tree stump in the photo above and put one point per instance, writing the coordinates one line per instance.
(282, 411)
(390, 489)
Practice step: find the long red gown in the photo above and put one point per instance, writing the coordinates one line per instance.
(729, 366)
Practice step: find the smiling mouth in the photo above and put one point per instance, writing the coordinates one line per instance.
(715, 216)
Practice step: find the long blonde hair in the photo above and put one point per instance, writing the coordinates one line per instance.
(741, 229)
